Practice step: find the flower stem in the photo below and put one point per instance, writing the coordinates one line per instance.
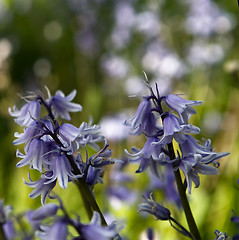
(186, 207)
(89, 201)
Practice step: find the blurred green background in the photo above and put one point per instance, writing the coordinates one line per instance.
(101, 48)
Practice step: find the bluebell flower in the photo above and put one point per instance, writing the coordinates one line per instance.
(42, 186)
(94, 176)
(150, 149)
(68, 134)
(34, 157)
(61, 170)
(155, 209)
(27, 113)
(173, 127)
(183, 107)
(149, 154)
(45, 211)
(144, 121)
(102, 158)
(34, 130)
(62, 104)
(7, 222)
(9, 230)
(194, 165)
(190, 146)
(94, 230)
(58, 230)
(90, 134)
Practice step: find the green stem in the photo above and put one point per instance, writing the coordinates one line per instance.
(186, 207)
(89, 201)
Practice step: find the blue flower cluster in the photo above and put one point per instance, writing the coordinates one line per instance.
(60, 222)
(174, 112)
(53, 148)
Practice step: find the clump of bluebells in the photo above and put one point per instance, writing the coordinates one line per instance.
(192, 158)
(55, 148)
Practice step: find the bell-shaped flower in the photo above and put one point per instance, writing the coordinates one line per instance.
(183, 107)
(148, 155)
(144, 120)
(90, 134)
(155, 209)
(41, 187)
(34, 157)
(102, 158)
(94, 230)
(27, 113)
(94, 176)
(190, 146)
(45, 211)
(194, 165)
(173, 128)
(61, 170)
(58, 230)
(68, 134)
(62, 104)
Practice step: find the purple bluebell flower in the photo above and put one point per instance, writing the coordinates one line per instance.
(6, 223)
(183, 107)
(69, 134)
(34, 130)
(58, 230)
(62, 104)
(94, 176)
(42, 186)
(157, 210)
(27, 114)
(148, 154)
(144, 121)
(61, 170)
(34, 155)
(94, 230)
(190, 146)
(45, 211)
(9, 230)
(150, 149)
(90, 134)
(194, 165)
(102, 158)
(173, 127)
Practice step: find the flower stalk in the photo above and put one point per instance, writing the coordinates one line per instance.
(186, 207)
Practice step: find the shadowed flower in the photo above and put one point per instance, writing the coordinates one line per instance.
(62, 104)
(144, 120)
(183, 107)
(27, 113)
